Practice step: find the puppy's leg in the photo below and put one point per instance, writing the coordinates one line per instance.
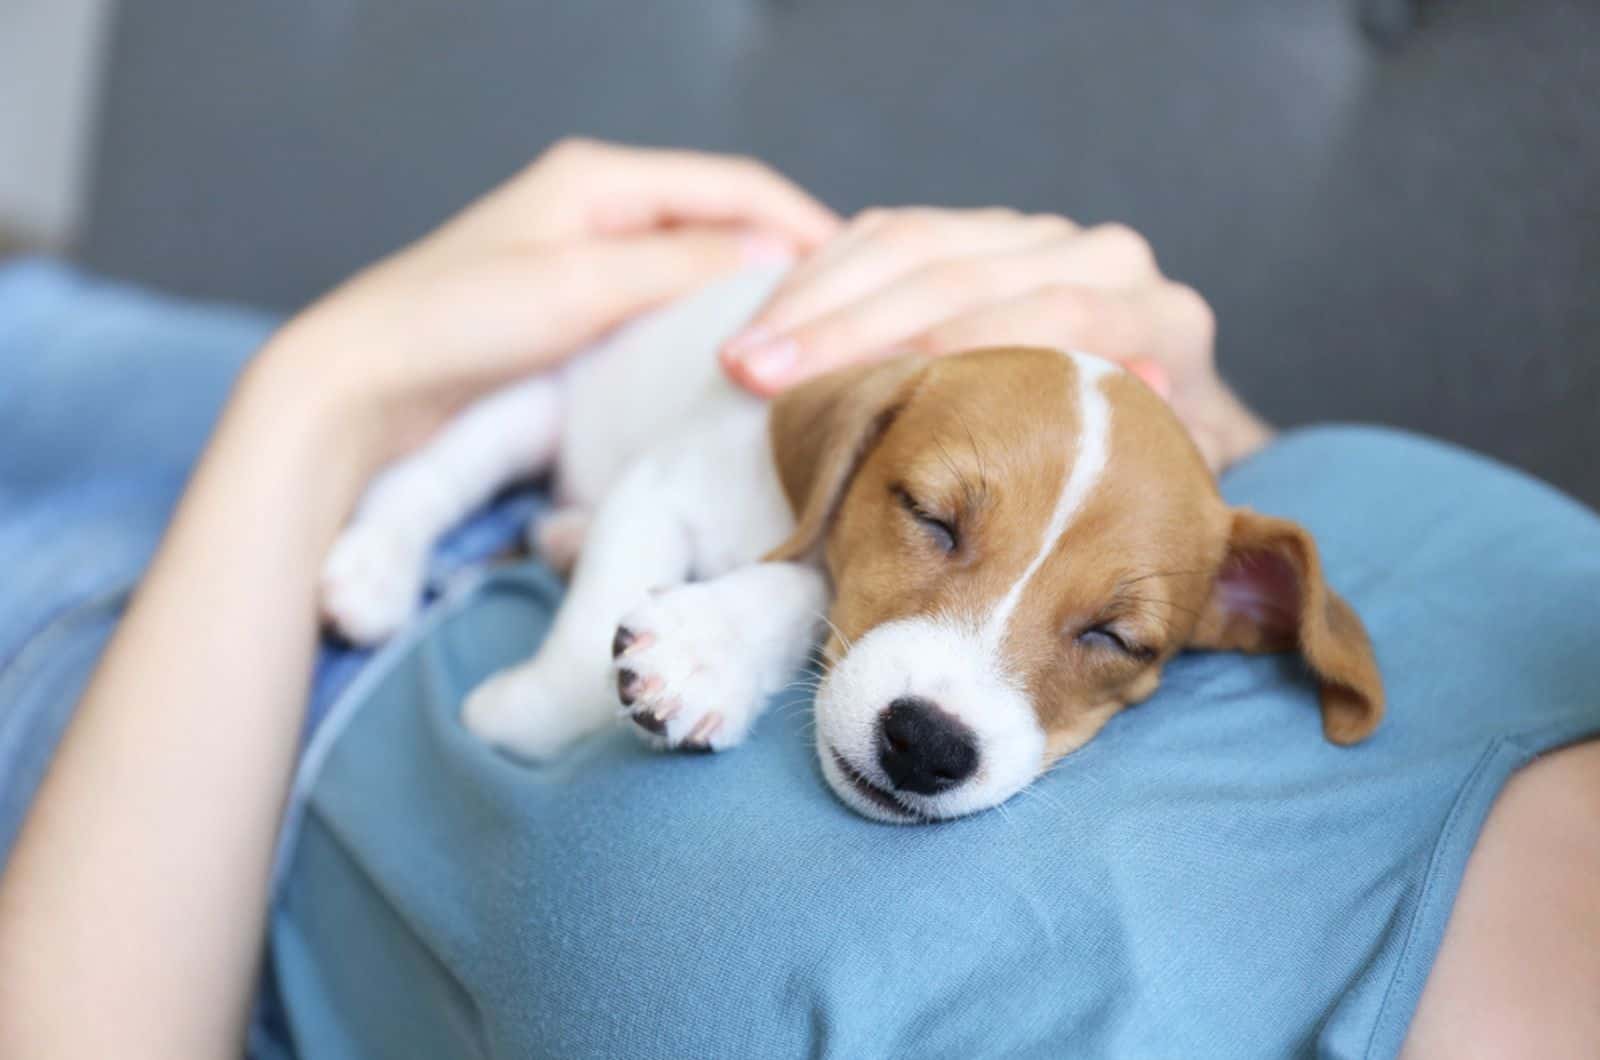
(636, 541)
(558, 537)
(373, 575)
(696, 664)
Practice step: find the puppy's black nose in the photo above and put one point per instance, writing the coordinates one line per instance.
(923, 749)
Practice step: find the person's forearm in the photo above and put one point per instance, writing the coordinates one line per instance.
(132, 909)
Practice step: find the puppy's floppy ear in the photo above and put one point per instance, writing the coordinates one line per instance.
(822, 429)
(1270, 596)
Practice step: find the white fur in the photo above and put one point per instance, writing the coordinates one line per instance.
(675, 465)
(674, 461)
(628, 397)
(373, 575)
(944, 660)
(708, 655)
(707, 503)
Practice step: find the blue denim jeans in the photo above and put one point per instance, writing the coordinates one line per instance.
(106, 396)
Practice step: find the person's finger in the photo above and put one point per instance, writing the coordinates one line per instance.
(890, 244)
(840, 246)
(1110, 258)
(635, 189)
(1115, 325)
(1153, 374)
(1159, 332)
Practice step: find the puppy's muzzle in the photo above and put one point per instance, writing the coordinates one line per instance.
(924, 750)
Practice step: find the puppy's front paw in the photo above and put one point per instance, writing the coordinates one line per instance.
(683, 673)
(371, 581)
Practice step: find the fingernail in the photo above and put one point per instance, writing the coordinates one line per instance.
(1153, 375)
(763, 249)
(771, 362)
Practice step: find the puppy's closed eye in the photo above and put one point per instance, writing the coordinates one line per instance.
(944, 533)
(1104, 636)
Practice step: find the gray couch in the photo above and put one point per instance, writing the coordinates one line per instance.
(1391, 204)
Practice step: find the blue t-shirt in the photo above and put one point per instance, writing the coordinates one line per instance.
(1208, 877)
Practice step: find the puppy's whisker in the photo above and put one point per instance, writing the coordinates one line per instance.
(1032, 791)
(848, 644)
(971, 495)
(1005, 815)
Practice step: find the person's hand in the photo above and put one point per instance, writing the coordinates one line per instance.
(587, 236)
(941, 281)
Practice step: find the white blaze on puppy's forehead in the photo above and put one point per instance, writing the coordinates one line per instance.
(1094, 443)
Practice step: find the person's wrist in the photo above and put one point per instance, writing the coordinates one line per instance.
(1244, 432)
(1224, 429)
(293, 396)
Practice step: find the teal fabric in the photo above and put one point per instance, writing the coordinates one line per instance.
(1207, 878)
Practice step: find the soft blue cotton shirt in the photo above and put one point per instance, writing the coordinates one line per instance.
(1208, 877)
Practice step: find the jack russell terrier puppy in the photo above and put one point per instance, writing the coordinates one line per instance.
(1005, 546)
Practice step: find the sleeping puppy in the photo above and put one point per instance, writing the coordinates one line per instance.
(1004, 548)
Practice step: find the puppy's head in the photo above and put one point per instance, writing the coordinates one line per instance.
(1019, 540)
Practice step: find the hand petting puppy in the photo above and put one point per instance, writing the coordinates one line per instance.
(942, 281)
(585, 237)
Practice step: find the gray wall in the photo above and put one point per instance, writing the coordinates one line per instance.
(1404, 233)
(50, 58)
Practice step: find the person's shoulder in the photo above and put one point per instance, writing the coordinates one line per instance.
(1376, 483)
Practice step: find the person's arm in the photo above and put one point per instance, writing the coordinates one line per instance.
(941, 281)
(132, 908)
(1518, 970)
